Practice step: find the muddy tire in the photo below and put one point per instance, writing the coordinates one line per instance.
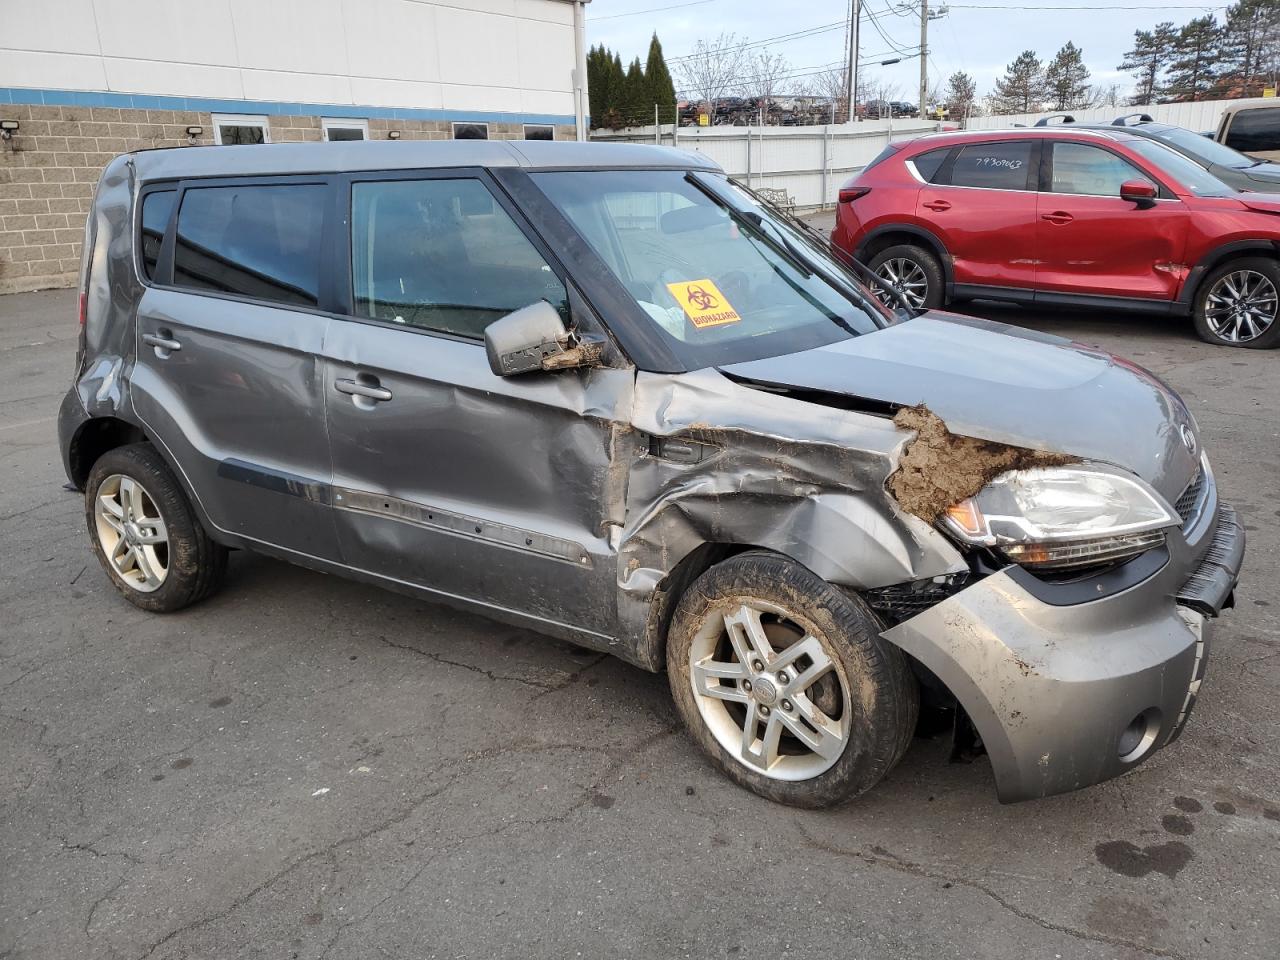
(784, 682)
(914, 271)
(145, 533)
(1238, 305)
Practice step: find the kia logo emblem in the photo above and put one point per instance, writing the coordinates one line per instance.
(1188, 438)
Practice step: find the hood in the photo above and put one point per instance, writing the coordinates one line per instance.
(1002, 383)
(1260, 202)
(1266, 175)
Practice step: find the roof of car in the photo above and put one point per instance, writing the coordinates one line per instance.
(1022, 133)
(349, 156)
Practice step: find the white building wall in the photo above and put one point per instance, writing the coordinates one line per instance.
(500, 56)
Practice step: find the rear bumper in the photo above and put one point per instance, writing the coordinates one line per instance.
(1068, 695)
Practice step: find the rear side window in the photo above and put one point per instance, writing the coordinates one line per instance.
(442, 255)
(996, 166)
(883, 155)
(157, 208)
(928, 164)
(1255, 130)
(252, 240)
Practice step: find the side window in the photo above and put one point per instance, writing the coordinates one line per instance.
(1255, 130)
(471, 131)
(258, 241)
(157, 207)
(928, 164)
(996, 166)
(442, 255)
(1092, 171)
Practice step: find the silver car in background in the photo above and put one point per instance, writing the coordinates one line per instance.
(601, 392)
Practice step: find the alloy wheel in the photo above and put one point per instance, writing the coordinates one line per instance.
(1241, 306)
(770, 692)
(132, 533)
(906, 277)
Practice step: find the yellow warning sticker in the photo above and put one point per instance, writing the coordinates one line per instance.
(704, 304)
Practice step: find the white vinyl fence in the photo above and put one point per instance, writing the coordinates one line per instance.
(812, 163)
(809, 163)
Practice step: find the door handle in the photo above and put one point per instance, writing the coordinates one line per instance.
(367, 389)
(163, 343)
(1058, 216)
(938, 205)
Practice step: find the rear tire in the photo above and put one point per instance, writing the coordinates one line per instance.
(785, 683)
(145, 533)
(1238, 305)
(913, 270)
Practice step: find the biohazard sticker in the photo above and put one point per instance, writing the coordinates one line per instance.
(703, 303)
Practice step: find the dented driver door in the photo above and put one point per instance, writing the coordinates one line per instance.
(498, 491)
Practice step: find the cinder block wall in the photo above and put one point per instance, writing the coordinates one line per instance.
(49, 168)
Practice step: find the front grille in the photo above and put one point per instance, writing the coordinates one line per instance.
(1188, 504)
(904, 600)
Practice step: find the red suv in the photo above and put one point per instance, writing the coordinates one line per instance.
(1083, 217)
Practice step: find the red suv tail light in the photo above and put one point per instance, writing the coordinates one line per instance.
(850, 194)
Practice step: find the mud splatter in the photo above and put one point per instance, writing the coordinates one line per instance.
(938, 468)
(1222, 806)
(1187, 804)
(602, 800)
(181, 763)
(1177, 824)
(1130, 860)
(220, 702)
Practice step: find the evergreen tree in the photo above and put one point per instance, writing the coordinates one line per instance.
(960, 95)
(1195, 71)
(1147, 60)
(598, 86)
(634, 105)
(1066, 79)
(1021, 89)
(662, 90)
(1251, 47)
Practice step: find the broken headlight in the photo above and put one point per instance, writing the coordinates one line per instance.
(1055, 517)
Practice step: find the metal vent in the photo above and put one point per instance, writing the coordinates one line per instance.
(1188, 504)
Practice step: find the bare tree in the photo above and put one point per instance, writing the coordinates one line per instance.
(763, 77)
(713, 69)
(831, 85)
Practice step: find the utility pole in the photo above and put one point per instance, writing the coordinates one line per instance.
(851, 77)
(924, 56)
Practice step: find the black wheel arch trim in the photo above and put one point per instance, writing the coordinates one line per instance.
(936, 246)
(1215, 258)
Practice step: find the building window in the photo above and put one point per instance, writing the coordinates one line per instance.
(539, 131)
(260, 241)
(471, 131)
(339, 129)
(235, 128)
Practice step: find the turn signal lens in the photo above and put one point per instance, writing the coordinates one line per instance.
(968, 519)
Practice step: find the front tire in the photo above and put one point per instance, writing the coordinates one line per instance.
(784, 682)
(912, 271)
(145, 533)
(1238, 303)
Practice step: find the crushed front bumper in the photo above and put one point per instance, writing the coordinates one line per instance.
(1068, 694)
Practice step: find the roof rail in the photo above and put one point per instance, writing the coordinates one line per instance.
(1124, 121)
(1064, 117)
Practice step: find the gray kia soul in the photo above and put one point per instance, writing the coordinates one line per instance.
(602, 392)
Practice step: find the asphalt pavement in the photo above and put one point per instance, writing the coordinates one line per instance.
(304, 767)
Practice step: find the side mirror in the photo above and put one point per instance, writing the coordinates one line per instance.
(1141, 192)
(534, 338)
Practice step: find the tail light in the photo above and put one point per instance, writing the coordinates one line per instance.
(850, 194)
(84, 308)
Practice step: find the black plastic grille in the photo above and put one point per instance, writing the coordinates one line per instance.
(1189, 502)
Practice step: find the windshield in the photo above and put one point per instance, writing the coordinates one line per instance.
(722, 277)
(1204, 149)
(1187, 172)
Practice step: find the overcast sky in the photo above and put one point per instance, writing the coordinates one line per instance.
(979, 41)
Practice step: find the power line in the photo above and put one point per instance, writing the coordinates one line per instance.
(636, 13)
(780, 38)
(1019, 8)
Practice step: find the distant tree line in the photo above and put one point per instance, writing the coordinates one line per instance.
(1204, 59)
(621, 98)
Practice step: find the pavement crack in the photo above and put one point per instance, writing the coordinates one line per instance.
(878, 856)
(491, 674)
